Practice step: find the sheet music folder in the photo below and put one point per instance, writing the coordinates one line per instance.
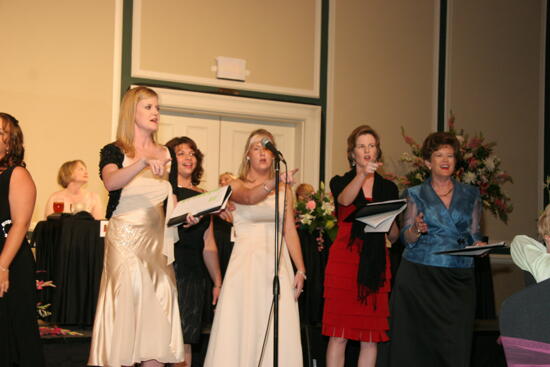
(207, 203)
(473, 250)
(379, 216)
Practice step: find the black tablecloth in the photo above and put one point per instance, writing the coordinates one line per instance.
(311, 301)
(69, 251)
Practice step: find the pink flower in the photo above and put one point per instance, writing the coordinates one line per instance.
(409, 140)
(310, 205)
(474, 143)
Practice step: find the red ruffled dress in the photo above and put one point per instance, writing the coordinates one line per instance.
(344, 315)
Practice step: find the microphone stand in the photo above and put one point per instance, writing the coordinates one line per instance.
(276, 286)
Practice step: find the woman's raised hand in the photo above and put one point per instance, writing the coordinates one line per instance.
(372, 166)
(288, 177)
(157, 166)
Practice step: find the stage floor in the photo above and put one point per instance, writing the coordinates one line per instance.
(72, 351)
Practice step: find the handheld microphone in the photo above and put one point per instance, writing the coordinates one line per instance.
(267, 144)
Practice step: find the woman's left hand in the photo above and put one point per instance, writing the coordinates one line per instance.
(288, 177)
(298, 284)
(226, 214)
(479, 243)
(191, 221)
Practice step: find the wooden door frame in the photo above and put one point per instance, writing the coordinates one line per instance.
(307, 119)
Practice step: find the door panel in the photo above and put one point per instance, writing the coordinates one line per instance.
(222, 140)
(235, 131)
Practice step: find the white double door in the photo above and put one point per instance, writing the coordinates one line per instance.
(222, 140)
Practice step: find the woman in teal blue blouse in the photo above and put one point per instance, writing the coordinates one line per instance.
(433, 301)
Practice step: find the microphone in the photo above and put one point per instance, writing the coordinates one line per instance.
(267, 144)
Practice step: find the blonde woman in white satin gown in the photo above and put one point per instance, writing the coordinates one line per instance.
(243, 310)
(137, 317)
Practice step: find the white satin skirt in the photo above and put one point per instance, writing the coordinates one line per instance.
(137, 317)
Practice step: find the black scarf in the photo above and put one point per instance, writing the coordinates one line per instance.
(371, 273)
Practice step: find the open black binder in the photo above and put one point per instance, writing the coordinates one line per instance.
(207, 203)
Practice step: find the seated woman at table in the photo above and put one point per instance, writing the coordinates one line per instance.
(72, 176)
(531, 255)
(19, 339)
(196, 255)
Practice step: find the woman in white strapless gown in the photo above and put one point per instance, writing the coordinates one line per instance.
(243, 311)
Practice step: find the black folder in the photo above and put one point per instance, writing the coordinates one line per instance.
(473, 250)
(376, 208)
(201, 207)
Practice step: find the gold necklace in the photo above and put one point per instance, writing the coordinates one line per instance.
(445, 194)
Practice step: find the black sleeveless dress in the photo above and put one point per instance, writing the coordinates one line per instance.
(192, 278)
(19, 337)
(222, 234)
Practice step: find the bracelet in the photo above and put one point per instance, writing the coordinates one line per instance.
(416, 231)
(303, 274)
(4, 269)
(267, 189)
(218, 286)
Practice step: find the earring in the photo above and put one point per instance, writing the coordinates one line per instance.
(247, 158)
(353, 163)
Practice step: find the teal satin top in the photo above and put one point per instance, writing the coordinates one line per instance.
(448, 229)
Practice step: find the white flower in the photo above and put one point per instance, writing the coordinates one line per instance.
(489, 162)
(460, 139)
(469, 177)
(306, 218)
(327, 207)
(406, 157)
(468, 155)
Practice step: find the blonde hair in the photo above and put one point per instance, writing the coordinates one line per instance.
(126, 119)
(245, 162)
(304, 191)
(65, 174)
(543, 224)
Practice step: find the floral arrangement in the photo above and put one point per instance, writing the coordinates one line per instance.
(43, 312)
(316, 215)
(43, 309)
(56, 331)
(479, 166)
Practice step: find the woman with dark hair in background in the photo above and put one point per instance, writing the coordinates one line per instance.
(19, 337)
(433, 300)
(357, 276)
(196, 255)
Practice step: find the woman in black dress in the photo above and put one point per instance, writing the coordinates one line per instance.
(195, 253)
(19, 337)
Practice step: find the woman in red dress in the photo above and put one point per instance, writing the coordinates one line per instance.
(357, 280)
